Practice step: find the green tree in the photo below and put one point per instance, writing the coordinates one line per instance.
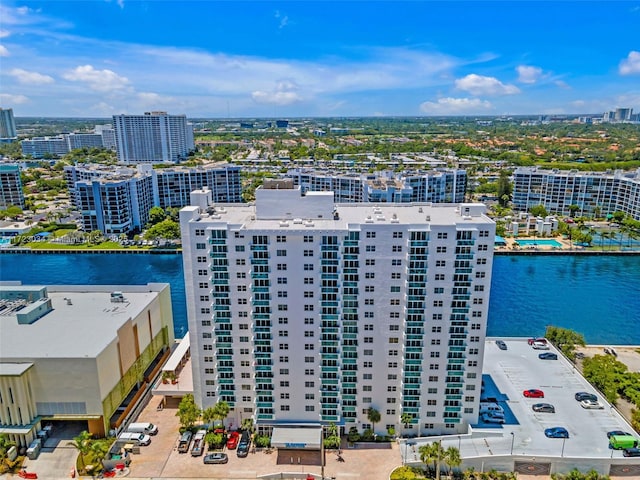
(452, 458)
(538, 211)
(99, 450)
(432, 453)
(603, 372)
(247, 425)
(5, 445)
(406, 419)
(82, 443)
(188, 412)
(13, 211)
(156, 215)
(565, 339)
(373, 416)
(573, 209)
(165, 229)
(505, 188)
(214, 440)
(221, 410)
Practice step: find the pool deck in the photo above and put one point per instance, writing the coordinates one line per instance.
(566, 248)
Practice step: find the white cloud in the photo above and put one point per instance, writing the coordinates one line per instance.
(4, 33)
(3, 51)
(528, 73)
(562, 84)
(481, 85)
(9, 99)
(30, 78)
(631, 64)
(98, 80)
(284, 93)
(151, 99)
(456, 106)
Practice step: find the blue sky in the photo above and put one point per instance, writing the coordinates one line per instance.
(328, 58)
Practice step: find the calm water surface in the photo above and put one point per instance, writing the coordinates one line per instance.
(596, 295)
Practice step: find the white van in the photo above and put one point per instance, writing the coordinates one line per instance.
(489, 407)
(135, 438)
(148, 428)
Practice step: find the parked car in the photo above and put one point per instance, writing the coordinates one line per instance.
(531, 341)
(585, 396)
(617, 433)
(631, 452)
(486, 407)
(540, 345)
(544, 407)
(501, 345)
(533, 393)
(232, 441)
(243, 446)
(215, 458)
(548, 356)
(556, 432)
(492, 417)
(591, 404)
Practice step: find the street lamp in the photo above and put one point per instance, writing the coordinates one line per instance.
(513, 437)
(459, 442)
(563, 440)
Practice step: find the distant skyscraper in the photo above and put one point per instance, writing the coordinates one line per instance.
(153, 137)
(7, 123)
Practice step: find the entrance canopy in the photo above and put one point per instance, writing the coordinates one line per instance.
(298, 437)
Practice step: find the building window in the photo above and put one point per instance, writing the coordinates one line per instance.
(282, 266)
(201, 246)
(308, 266)
(396, 262)
(371, 234)
(281, 238)
(308, 253)
(282, 280)
(281, 253)
(308, 239)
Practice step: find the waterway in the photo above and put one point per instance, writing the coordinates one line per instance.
(596, 295)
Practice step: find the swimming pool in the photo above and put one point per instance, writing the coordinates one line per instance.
(544, 242)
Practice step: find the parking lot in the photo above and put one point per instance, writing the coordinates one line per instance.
(507, 373)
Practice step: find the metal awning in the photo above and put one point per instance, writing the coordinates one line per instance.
(302, 437)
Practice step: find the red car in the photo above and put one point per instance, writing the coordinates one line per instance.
(232, 441)
(531, 341)
(533, 393)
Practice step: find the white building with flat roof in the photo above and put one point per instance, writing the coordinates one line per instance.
(78, 352)
(153, 137)
(305, 311)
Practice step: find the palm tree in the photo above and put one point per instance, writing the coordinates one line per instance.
(432, 452)
(452, 458)
(406, 419)
(82, 444)
(5, 445)
(373, 416)
(99, 450)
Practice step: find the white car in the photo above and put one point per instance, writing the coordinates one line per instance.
(591, 404)
(492, 417)
(540, 346)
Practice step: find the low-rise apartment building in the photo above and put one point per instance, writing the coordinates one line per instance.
(78, 353)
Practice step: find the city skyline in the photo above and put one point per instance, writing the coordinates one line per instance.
(292, 59)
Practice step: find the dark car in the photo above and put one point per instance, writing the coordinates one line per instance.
(556, 432)
(585, 396)
(616, 433)
(533, 393)
(501, 345)
(544, 407)
(243, 446)
(631, 452)
(215, 458)
(548, 356)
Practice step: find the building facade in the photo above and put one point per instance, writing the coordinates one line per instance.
(153, 137)
(117, 200)
(595, 194)
(40, 147)
(7, 123)
(437, 186)
(93, 375)
(302, 310)
(10, 187)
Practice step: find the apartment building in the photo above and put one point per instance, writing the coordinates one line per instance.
(595, 193)
(10, 187)
(78, 353)
(39, 147)
(153, 137)
(117, 200)
(437, 186)
(7, 124)
(306, 311)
